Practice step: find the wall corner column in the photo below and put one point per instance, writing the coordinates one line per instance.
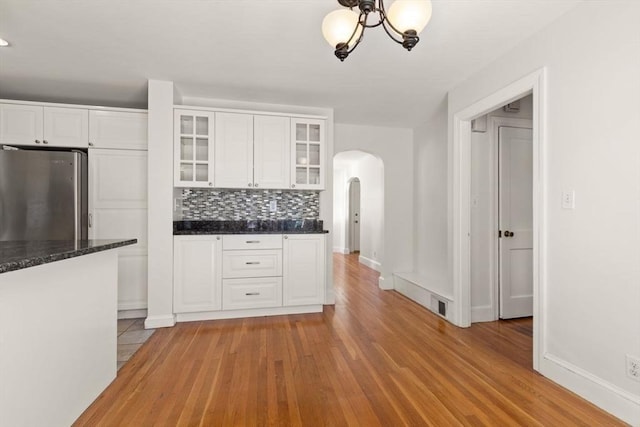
(160, 212)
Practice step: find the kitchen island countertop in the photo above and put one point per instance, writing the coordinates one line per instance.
(19, 254)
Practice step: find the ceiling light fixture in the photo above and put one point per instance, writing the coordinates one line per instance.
(4, 43)
(344, 28)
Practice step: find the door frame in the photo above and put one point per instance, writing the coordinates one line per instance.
(495, 123)
(533, 83)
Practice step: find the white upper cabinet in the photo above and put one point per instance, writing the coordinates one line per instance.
(36, 125)
(193, 148)
(66, 127)
(20, 124)
(234, 150)
(272, 152)
(307, 154)
(252, 151)
(118, 129)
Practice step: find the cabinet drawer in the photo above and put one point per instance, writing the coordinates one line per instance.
(252, 241)
(251, 293)
(257, 263)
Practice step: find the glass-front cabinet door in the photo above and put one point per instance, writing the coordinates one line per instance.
(193, 148)
(307, 161)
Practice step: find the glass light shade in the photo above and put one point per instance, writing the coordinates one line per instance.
(338, 26)
(409, 14)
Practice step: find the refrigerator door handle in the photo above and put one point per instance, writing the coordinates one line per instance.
(77, 196)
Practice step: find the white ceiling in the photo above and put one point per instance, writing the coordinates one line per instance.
(103, 51)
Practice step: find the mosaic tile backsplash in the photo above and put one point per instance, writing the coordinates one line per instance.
(206, 204)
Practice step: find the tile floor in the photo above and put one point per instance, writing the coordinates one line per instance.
(131, 336)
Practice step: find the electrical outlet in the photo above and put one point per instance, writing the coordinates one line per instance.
(633, 367)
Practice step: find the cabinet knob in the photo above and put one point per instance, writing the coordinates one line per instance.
(44, 141)
(285, 237)
(91, 144)
(250, 185)
(37, 141)
(293, 186)
(255, 185)
(218, 238)
(211, 184)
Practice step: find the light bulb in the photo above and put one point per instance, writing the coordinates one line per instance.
(409, 14)
(339, 25)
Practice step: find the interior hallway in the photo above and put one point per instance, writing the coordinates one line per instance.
(376, 358)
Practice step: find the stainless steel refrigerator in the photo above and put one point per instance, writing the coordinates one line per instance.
(43, 194)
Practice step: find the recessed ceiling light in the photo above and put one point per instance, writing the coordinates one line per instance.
(3, 43)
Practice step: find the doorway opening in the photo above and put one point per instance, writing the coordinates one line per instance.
(358, 207)
(462, 201)
(501, 244)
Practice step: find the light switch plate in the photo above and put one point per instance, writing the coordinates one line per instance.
(568, 199)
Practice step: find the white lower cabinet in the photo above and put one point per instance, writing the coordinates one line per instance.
(303, 269)
(248, 275)
(118, 208)
(197, 273)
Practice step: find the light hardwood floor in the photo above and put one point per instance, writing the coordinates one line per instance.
(373, 359)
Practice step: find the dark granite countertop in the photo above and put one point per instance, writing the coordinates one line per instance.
(18, 254)
(280, 226)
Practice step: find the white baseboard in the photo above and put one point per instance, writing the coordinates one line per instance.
(132, 305)
(337, 250)
(255, 312)
(607, 396)
(153, 322)
(385, 284)
(132, 314)
(422, 296)
(369, 263)
(483, 313)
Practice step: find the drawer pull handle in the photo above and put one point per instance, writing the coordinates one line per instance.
(253, 241)
(252, 293)
(252, 262)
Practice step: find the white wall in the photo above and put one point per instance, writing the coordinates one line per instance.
(160, 205)
(394, 147)
(430, 164)
(341, 173)
(370, 171)
(591, 282)
(483, 264)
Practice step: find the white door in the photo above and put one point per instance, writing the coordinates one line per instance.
(118, 209)
(272, 152)
(516, 222)
(354, 216)
(234, 151)
(20, 124)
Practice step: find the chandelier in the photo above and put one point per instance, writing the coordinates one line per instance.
(344, 28)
